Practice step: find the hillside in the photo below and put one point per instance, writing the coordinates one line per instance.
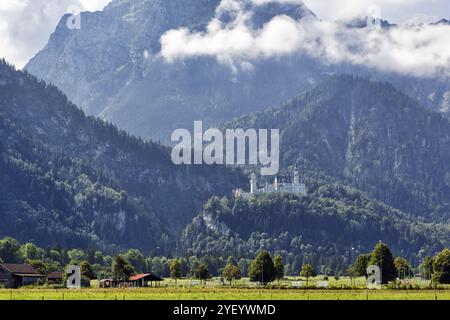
(320, 229)
(77, 181)
(368, 135)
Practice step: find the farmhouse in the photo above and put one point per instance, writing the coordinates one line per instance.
(18, 275)
(142, 280)
(55, 277)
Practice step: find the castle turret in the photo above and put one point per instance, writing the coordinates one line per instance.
(253, 184)
(296, 176)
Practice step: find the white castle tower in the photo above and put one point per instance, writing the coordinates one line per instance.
(294, 187)
(296, 176)
(253, 184)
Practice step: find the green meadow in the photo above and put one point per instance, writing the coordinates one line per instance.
(240, 290)
(221, 294)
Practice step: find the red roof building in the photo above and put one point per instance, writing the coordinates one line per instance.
(142, 280)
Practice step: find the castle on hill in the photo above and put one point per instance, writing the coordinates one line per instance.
(283, 186)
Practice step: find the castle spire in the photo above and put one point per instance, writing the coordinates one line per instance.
(296, 176)
(253, 184)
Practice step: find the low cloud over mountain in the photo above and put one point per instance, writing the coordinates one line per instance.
(418, 50)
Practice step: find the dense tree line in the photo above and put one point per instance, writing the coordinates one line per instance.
(118, 265)
(262, 268)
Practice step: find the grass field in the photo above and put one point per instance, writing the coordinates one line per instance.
(221, 294)
(241, 290)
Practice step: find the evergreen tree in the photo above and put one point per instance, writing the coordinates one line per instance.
(262, 268)
(121, 268)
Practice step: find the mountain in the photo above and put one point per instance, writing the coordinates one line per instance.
(112, 68)
(321, 229)
(362, 22)
(77, 181)
(368, 135)
(263, 13)
(442, 22)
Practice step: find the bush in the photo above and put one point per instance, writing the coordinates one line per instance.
(400, 285)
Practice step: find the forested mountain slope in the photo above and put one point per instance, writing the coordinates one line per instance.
(368, 135)
(321, 228)
(76, 181)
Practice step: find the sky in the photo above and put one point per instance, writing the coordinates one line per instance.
(25, 25)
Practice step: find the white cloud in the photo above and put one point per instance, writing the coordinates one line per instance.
(419, 51)
(25, 25)
(279, 37)
(414, 50)
(393, 10)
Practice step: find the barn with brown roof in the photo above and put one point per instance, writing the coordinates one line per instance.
(18, 275)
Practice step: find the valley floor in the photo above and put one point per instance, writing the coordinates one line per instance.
(187, 289)
(222, 294)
